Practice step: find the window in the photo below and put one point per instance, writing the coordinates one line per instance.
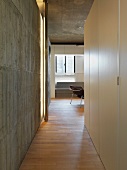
(65, 64)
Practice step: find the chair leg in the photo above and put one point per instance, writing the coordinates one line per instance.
(81, 101)
(71, 98)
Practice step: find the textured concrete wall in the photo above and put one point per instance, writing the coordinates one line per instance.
(19, 79)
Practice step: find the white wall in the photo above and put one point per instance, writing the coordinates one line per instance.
(67, 49)
(105, 101)
(79, 68)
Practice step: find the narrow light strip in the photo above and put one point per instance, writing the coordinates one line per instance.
(41, 66)
(44, 66)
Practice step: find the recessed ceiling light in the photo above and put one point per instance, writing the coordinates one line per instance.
(79, 27)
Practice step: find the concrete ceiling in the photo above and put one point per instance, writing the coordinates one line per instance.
(66, 20)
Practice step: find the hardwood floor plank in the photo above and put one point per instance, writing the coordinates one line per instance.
(63, 143)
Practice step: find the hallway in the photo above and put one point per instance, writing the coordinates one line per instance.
(62, 143)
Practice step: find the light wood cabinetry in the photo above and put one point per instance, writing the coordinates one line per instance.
(123, 87)
(105, 100)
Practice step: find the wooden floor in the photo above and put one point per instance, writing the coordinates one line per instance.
(63, 143)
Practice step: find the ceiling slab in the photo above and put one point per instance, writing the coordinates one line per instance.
(66, 20)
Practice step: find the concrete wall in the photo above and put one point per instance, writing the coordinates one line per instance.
(19, 79)
(105, 99)
(67, 49)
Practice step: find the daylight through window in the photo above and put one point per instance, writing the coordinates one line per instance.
(65, 64)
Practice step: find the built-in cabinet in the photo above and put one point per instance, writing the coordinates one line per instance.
(123, 87)
(105, 81)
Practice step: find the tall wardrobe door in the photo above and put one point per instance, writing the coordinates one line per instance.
(123, 86)
(108, 107)
(94, 75)
(87, 79)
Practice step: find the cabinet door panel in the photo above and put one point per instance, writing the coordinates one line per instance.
(123, 86)
(108, 94)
